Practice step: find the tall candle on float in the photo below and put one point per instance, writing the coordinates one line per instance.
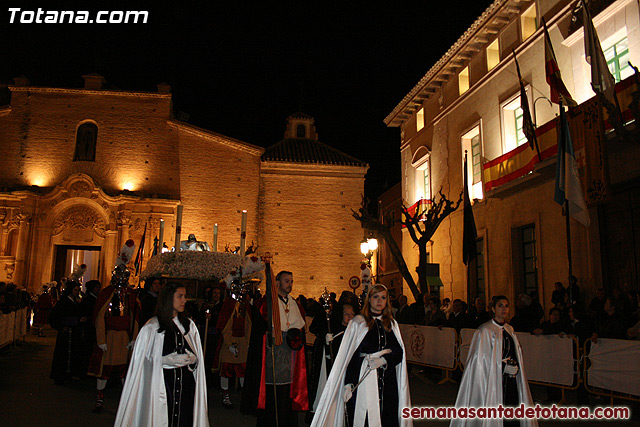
(178, 227)
(243, 232)
(161, 237)
(215, 237)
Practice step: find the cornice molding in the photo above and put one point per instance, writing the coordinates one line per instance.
(216, 137)
(38, 89)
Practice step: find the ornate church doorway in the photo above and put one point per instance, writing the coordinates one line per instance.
(70, 257)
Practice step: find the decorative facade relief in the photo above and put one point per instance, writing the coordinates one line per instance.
(79, 217)
(80, 189)
(9, 269)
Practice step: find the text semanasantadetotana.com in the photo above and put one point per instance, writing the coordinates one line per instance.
(17, 15)
(519, 412)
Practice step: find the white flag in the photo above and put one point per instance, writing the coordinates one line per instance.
(601, 78)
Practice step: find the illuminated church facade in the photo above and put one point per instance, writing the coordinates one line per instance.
(86, 169)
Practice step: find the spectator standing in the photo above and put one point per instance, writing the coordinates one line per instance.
(65, 318)
(404, 314)
(478, 314)
(611, 325)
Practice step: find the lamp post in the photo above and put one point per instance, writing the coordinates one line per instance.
(368, 247)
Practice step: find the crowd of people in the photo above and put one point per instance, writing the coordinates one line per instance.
(208, 342)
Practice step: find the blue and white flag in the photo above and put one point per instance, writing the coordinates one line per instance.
(567, 180)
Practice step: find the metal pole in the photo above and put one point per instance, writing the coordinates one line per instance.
(270, 308)
(568, 223)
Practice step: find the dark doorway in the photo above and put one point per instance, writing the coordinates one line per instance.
(68, 256)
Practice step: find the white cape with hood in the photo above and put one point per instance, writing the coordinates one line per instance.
(481, 384)
(330, 411)
(143, 402)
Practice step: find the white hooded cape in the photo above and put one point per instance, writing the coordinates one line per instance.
(144, 399)
(481, 384)
(330, 411)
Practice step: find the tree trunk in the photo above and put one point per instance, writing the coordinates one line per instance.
(396, 252)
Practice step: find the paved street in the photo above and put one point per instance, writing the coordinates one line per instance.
(29, 398)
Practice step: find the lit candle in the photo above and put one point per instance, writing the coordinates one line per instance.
(178, 227)
(243, 232)
(215, 237)
(161, 238)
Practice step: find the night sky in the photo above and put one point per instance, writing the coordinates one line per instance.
(240, 68)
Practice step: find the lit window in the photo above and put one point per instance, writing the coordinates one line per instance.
(422, 173)
(617, 57)
(512, 122)
(463, 80)
(528, 22)
(420, 119)
(520, 136)
(471, 143)
(493, 54)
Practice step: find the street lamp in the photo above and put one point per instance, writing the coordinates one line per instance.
(368, 246)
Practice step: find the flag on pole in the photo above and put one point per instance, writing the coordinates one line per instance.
(601, 78)
(469, 233)
(559, 92)
(140, 254)
(568, 186)
(528, 127)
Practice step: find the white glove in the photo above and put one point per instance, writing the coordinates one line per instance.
(176, 360)
(328, 338)
(131, 344)
(510, 369)
(348, 392)
(193, 359)
(375, 362)
(102, 347)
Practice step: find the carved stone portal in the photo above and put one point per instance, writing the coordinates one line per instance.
(79, 218)
(9, 270)
(80, 189)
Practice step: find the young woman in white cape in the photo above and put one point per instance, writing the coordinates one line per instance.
(494, 374)
(165, 383)
(371, 354)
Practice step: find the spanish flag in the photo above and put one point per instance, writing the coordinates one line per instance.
(559, 92)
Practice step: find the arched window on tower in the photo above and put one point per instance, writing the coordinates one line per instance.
(86, 138)
(301, 131)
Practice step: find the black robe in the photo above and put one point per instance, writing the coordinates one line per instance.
(319, 328)
(67, 355)
(378, 339)
(180, 384)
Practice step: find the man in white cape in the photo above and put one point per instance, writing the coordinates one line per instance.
(331, 408)
(481, 384)
(143, 402)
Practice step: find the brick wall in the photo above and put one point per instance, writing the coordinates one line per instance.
(135, 147)
(308, 227)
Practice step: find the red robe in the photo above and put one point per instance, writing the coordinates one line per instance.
(129, 331)
(299, 392)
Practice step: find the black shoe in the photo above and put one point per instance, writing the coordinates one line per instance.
(309, 417)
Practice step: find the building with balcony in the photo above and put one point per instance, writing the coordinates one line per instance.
(469, 101)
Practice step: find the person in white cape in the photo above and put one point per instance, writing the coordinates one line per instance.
(494, 374)
(368, 384)
(165, 384)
